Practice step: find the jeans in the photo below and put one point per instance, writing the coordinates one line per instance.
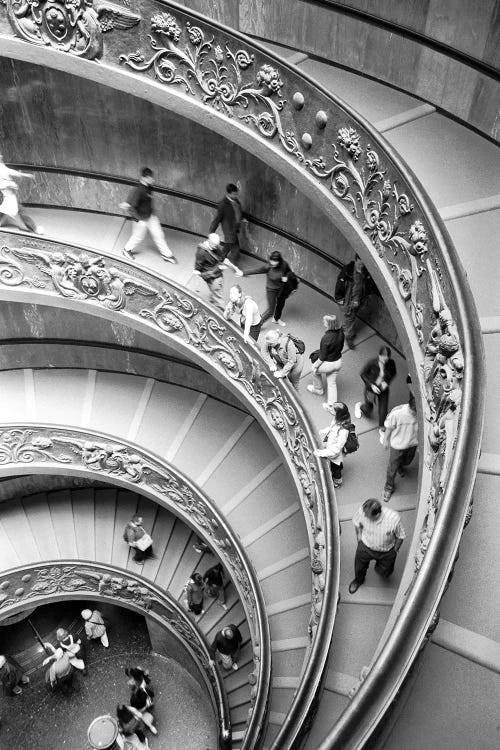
(295, 373)
(232, 251)
(384, 564)
(398, 457)
(153, 226)
(330, 370)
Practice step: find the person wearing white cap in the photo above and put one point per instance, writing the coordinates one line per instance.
(95, 626)
(283, 357)
(209, 263)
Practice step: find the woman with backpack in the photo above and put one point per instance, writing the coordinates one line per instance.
(327, 360)
(283, 353)
(335, 436)
(280, 283)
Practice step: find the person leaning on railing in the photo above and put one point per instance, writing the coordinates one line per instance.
(283, 357)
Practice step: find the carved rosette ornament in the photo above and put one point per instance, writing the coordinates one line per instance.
(114, 285)
(74, 26)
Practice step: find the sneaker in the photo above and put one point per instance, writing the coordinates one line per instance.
(153, 729)
(128, 253)
(235, 667)
(381, 433)
(170, 259)
(278, 322)
(357, 410)
(337, 483)
(17, 690)
(39, 229)
(224, 606)
(312, 389)
(25, 679)
(388, 492)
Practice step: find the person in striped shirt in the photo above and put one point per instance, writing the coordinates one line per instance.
(380, 534)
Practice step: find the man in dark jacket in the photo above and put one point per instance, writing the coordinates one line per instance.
(11, 676)
(227, 644)
(376, 376)
(139, 206)
(229, 215)
(209, 263)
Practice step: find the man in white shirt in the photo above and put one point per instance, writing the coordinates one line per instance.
(401, 438)
(246, 308)
(380, 534)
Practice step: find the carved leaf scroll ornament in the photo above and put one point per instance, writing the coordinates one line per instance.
(74, 26)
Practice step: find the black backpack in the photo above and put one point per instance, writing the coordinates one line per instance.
(352, 442)
(343, 280)
(299, 344)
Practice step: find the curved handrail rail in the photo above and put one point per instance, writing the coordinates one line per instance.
(40, 583)
(349, 170)
(38, 447)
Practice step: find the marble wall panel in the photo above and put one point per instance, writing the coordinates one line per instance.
(492, 48)
(449, 81)
(463, 25)
(226, 12)
(50, 118)
(485, 109)
(410, 13)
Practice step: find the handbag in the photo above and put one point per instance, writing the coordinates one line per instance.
(144, 542)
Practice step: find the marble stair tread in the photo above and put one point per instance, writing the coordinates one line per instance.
(105, 512)
(358, 627)
(330, 708)
(281, 699)
(170, 556)
(273, 540)
(216, 466)
(161, 534)
(338, 682)
(237, 471)
(215, 421)
(491, 433)
(185, 568)
(59, 393)
(155, 431)
(9, 556)
(37, 512)
(368, 595)
(115, 401)
(126, 506)
(12, 400)
(266, 495)
(398, 502)
(287, 624)
(16, 526)
(61, 511)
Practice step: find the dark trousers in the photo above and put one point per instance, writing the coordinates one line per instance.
(383, 404)
(232, 251)
(272, 298)
(398, 457)
(384, 561)
(254, 330)
(336, 470)
(141, 554)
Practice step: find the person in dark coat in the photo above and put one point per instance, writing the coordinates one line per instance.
(377, 375)
(278, 288)
(11, 676)
(142, 694)
(227, 644)
(214, 584)
(327, 360)
(230, 216)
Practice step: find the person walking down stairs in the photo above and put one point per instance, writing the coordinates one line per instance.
(210, 262)
(139, 206)
(227, 644)
(11, 676)
(335, 436)
(142, 694)
(214, 584)
(137, 537)
(95, 627)
(74, 649)
(194, 589)
(377, 375)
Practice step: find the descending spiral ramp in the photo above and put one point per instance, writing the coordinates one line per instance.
(72, 363)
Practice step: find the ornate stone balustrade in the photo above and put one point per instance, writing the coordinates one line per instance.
(36, 585)
(203, 71)
(62, 450)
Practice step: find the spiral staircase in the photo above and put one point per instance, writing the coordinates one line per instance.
(222, 449)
